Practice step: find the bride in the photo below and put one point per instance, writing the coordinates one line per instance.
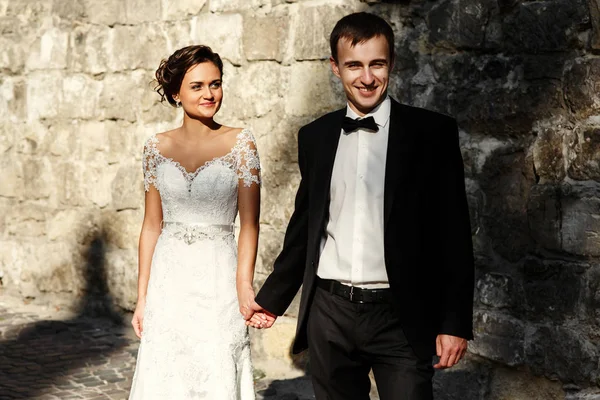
(193, 282)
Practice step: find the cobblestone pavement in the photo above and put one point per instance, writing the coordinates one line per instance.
(50, 353)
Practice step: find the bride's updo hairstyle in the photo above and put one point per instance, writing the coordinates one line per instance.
(171, 71)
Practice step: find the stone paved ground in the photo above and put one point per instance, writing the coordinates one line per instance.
(50, 353)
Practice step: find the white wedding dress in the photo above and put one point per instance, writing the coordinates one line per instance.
(195, 343)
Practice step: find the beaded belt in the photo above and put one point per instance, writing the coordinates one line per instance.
(192, 232)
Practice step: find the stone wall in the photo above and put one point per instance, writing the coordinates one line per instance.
(522, 78)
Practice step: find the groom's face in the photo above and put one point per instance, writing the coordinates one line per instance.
(364, 70)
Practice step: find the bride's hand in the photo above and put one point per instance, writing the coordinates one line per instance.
(138, 318)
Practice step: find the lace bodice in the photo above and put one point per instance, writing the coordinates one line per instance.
(209, 194)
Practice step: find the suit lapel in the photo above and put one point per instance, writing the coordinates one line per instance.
(397, 143)
(329, 137)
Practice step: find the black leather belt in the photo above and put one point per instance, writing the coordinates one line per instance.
(355, 294)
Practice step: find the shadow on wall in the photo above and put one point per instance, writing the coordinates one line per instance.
(42, 356)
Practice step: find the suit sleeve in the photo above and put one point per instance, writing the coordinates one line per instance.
(284, 282)
(458, 269)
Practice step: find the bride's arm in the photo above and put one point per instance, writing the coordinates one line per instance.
(249, 211)
(151, 228)
(148, 237)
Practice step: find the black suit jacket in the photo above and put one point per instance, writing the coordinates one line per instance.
(427, 234)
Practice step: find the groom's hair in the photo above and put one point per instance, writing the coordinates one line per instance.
(358, 28)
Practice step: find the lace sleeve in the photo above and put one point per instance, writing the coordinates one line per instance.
(150, 162)
(248, 170)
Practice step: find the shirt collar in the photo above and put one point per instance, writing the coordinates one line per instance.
(381, 113)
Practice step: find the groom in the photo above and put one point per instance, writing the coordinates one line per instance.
(380, 236)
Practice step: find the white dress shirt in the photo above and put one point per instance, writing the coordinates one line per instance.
(352, 248)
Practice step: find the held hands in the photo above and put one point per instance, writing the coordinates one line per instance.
(138, 318)
(255, 316)
(253, 313)
(258, 317)
(450, 349)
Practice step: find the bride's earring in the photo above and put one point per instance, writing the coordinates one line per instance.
(178, 104)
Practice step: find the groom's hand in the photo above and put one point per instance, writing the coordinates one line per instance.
(258, 317)
(450, 349)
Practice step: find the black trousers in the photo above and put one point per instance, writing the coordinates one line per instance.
(346, 340)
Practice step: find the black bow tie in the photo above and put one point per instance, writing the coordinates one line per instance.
(349, 125)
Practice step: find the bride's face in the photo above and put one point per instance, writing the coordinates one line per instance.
(201, 91)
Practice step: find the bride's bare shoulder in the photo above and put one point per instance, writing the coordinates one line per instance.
(165, 139)
(230, 134)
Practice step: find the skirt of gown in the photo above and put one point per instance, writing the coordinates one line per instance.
(194, 343)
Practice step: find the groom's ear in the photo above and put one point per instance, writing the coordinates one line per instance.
(334, 67)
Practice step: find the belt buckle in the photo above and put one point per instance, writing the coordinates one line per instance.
(351, 293)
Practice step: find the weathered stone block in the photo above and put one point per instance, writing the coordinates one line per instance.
(106, 12)
(223, 33)
(548, 156)
(30, 138)
(66, 225)
(122, 146)
(113, 104)
(546, 26)
(69, 10)
(7, 137)
(112, 12)
(590, 394)
(133, 47)
(460, 23)
(552, 289)
(512, 384)
(544, 216)
(582, 86)
(64, 139)
(561, 353)
(179, 35)
(121, 271)
(17, 257)
(13, 99)
(468, 380)
(89, 46)
(61, 268)
(49, 51)
(312, 26)
(265, 38)
(317, 98)
(591, 295)
(12, 178)
(26, 220)
(176, 10)
(216, 6)
(38, 178)
(507, 109)
(265, 93)
(581, 220)
(506, 180)
(44, 95)
(584, 154)
(139, 11)
(80, 95)
(498, 337)
(94, 142)
(90, 186)
(127, 187)
(12, 55)
(122, 227)
(496, 290)
(595, 18)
